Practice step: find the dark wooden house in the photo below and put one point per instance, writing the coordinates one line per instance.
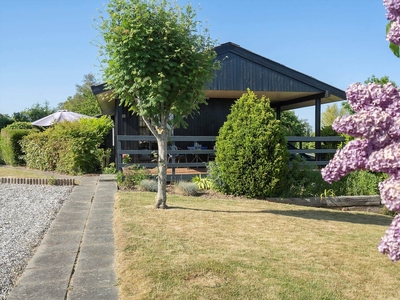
(240, 69)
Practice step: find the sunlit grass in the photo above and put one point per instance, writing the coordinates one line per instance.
(20, 173)
(246, 249)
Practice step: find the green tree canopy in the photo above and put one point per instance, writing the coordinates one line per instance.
(331, 113)
(83, 102)
(5, 120)
(293, 126)
(157, 61)
(36, 112)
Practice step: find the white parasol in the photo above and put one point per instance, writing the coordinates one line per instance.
(59, 116)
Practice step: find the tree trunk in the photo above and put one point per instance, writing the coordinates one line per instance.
(162, 141)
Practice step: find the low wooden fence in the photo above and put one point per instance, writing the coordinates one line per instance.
(199, 157)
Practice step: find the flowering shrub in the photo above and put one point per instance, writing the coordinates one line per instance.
(376, 125)
(393, 28)
(126, 158)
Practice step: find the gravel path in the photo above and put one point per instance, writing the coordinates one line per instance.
(26, 212)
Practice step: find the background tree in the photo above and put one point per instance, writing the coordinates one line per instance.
(157, 61)
(331, 113)
(36, 112)
(5, 120)
(83, 102)
(252, 157)
(293, 126)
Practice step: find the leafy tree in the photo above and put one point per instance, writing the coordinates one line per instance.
(252, 156)
(293, 126)
(331, 113)
(382, 81)
(83, 102)
(5, 120)
(157, 62)
(36, 112)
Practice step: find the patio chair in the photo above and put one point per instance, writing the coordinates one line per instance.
(177, 157)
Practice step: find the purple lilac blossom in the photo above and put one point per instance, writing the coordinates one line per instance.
(393, 34)
(376, 125)
(392, 9)
(385, 160)
(365, 124)
(363, 97)
(390, 243)
(390, 193)
(352, 157)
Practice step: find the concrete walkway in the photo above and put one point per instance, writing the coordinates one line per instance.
(75, 260)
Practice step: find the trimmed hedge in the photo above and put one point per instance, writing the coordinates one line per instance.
(68, 147)
(11, 151)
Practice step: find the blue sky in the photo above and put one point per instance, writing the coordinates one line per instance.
(45, 45)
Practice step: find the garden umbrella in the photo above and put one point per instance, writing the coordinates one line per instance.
(59, 116)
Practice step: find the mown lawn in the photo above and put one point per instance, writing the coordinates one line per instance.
(214, 248)
(6, 171)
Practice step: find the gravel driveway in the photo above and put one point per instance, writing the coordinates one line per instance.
(26, 212)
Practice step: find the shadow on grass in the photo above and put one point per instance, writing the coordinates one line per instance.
(329, 215)
(322, 215)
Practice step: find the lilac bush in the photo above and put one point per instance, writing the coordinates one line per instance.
(390, 242)
(393, 28)
(376, 127)
(393, 34)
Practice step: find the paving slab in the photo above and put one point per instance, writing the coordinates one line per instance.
(76, 258)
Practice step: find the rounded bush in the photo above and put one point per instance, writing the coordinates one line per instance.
(252, 156)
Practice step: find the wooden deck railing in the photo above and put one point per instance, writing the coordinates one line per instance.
(198, 158)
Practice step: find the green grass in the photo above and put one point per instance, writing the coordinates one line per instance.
(211, 248)
(20, 173)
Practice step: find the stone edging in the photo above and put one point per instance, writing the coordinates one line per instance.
(38, 181)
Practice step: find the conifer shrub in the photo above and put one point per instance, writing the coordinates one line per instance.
(252, 155)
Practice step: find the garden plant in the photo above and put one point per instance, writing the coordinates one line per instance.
(376, 127)
(252, 157)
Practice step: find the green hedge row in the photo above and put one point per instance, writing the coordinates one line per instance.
(68, 147)
(11, 151)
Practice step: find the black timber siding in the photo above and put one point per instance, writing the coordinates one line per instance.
(238, 73)
(128, 124)
(206, 122)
